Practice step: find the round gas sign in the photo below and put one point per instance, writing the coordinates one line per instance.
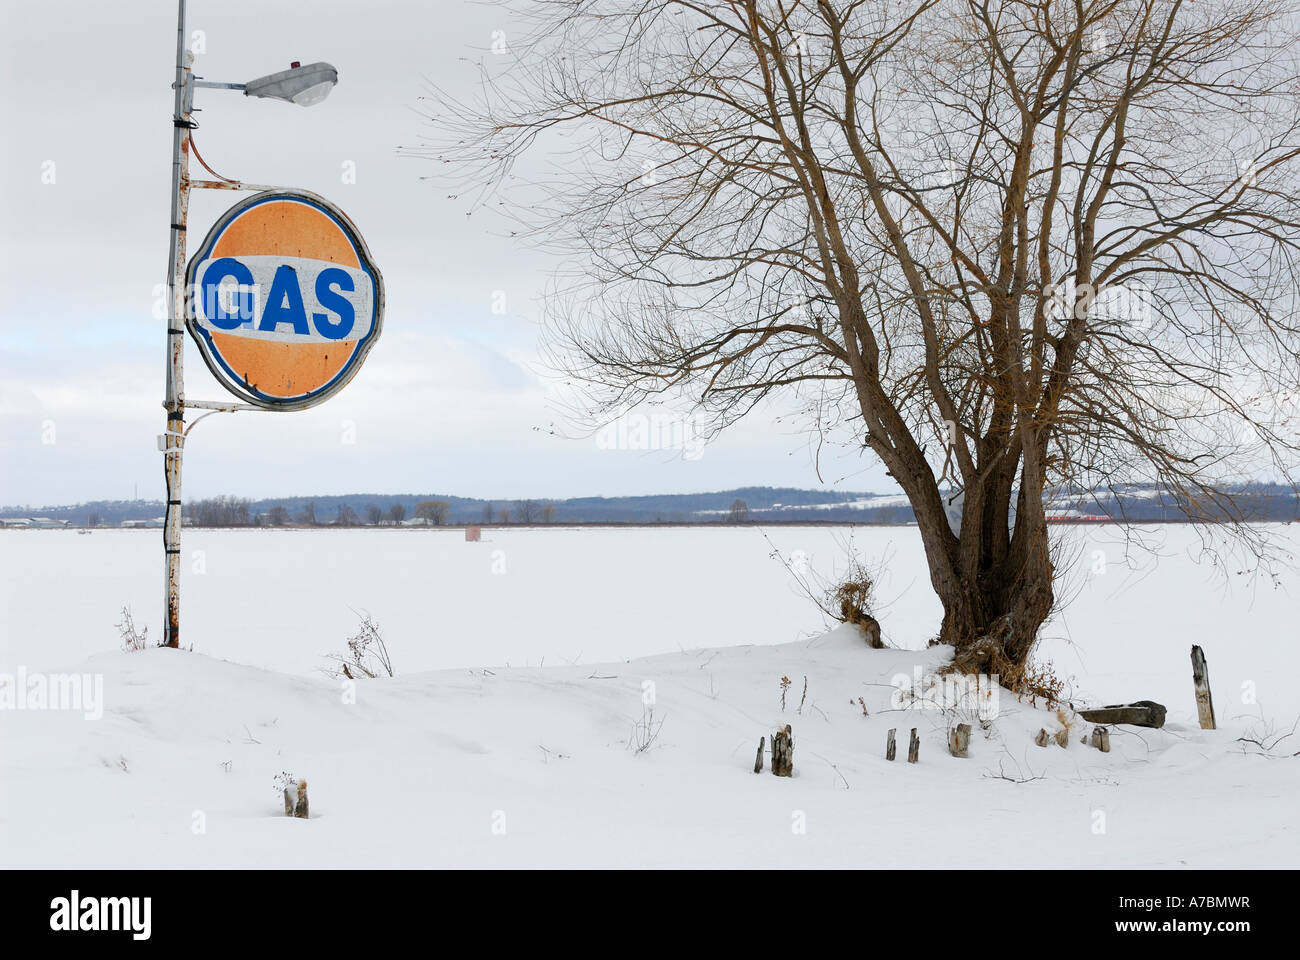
(285, 300)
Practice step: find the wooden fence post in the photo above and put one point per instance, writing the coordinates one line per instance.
(1101, 739)
(891, 748)
(296, 807)
(1201, 679)
(959, 739)
(783, 752)
(758, 760)
(914, 748)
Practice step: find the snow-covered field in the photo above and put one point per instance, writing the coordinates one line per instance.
(524, 664)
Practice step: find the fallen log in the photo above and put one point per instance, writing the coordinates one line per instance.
(1143, 713)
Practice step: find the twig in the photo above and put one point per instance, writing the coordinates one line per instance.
(1267, 741)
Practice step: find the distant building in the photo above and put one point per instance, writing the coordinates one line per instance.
(34, 523)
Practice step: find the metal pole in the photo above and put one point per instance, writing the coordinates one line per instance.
(174, 439)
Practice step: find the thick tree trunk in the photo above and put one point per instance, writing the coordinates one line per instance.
(996, 589)
(994, 637)
(995, 583)
(992, 619)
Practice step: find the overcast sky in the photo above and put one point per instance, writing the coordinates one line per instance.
(453, 398)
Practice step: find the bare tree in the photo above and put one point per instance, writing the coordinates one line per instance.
(1006, 246)
(527, 511)
(434, 511)
(278, 516)
(374, 515)
(307, 515)
(548, 513)
(739, 512)
(397, 513)
(220, 512)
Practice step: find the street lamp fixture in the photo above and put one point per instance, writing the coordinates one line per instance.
(305, 86)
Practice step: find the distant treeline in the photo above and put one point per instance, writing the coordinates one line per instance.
(237, 512)
(1139, 503)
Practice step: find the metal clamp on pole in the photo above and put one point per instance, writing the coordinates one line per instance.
(169, 449)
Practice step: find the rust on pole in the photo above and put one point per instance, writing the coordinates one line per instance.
(173, 440)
